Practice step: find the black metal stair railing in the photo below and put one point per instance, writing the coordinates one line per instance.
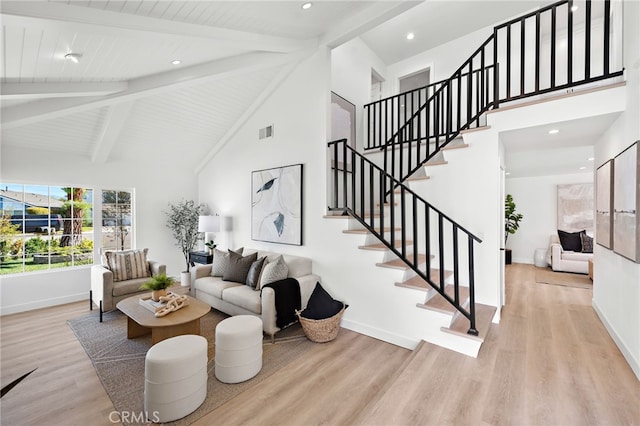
(557, 47)
(416, 232)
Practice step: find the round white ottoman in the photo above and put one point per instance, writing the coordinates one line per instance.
(238, 348)
(175, 377)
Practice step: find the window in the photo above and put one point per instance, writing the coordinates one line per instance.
(44, 227)
(116, 220)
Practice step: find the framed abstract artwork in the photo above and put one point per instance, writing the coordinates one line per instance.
(626, 202)
(276, 205)
(604, 204)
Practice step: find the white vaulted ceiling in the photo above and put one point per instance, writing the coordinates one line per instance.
(124, 97)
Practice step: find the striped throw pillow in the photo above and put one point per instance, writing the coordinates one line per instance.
(128, 264)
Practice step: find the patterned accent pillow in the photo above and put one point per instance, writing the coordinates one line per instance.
(273, 271)
(220, 261)
(587, 243)
(238, 267)
(128, 264)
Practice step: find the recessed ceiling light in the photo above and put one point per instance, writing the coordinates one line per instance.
(73, 57)
(590, 159)
(307, 5)
(176, 62)
(574, 8)
(508, 173)
(410, 36)
(554, 131)
(583, 167)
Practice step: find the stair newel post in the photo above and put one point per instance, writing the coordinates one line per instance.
(383, 197)
(392, 202)
(441, 250)
(371, 185)
(414, 216)
(353, 180)
(456, 281)
(344, 173)
(403, 222)
(362, 198)
(335, 174)
(472, 298)
(427, 238)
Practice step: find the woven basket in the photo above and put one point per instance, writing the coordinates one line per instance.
(323, 330)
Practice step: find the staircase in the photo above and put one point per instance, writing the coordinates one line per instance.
(383, 199)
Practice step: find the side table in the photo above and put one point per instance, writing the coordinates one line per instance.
(591, 269)
(201, 257)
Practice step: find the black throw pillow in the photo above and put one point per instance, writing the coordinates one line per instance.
(321, 305)
(570, 241)
(253, 276)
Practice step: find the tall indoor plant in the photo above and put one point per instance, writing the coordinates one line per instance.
(182, 220)
(511, 222)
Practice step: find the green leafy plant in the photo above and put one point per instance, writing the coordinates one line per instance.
(158, 282)
(211, 245)
(511, 218)
(182, 220)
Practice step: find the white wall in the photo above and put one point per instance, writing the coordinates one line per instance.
(616, 286)
(351, 65)
(153, 187)
(536, 199)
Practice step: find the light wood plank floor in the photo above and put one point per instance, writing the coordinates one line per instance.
(549, 361)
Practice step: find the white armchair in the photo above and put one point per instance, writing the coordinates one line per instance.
(567, 261)
(106, 293)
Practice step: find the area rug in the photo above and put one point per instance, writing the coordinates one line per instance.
(119, 361)
(548, 276)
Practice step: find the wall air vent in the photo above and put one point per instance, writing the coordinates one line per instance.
(266, 132)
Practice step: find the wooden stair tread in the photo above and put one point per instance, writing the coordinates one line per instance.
(475, 129)
(383, 247)
(399, 263)
(418, 283)
(417, 178)
(336, 216)
(460, 326)
(366, 231)
(456, 146)
(440, 304)
(435, 163)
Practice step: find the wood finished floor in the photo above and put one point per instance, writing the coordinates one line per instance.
(549, 362)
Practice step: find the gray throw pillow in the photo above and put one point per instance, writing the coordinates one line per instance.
(238, 267)
(220, 261)
(273, 271)
(253, 276)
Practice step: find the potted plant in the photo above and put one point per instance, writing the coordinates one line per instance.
(511, 223)
(210, 245)
(182, 220)
(158, 285)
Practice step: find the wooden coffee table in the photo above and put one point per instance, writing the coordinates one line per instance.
(141, 321)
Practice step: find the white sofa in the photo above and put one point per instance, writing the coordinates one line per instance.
(239, 299)
(567, 261)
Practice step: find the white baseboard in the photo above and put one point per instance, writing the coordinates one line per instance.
(46, 303)
(626, 353)
(379, 334)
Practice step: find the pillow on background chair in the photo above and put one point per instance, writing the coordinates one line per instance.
(128, 264)
(571, 241)
(587, 243)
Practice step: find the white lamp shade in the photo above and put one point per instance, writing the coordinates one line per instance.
(208, 223)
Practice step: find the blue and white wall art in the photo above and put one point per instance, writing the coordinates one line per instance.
(276, 205)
